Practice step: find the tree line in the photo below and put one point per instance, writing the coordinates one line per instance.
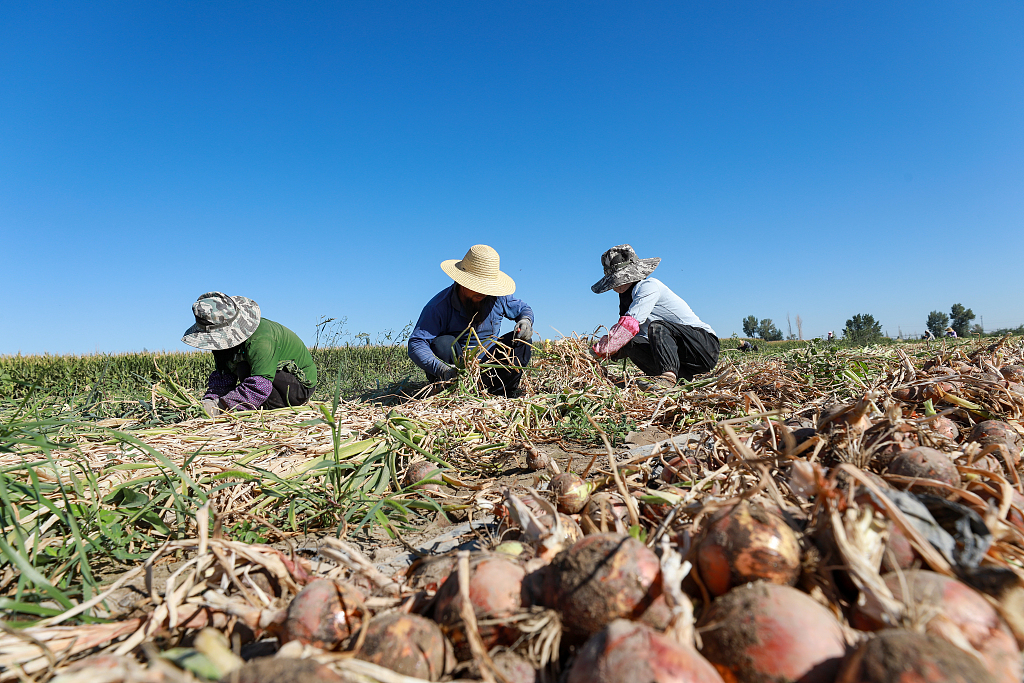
(862, 328)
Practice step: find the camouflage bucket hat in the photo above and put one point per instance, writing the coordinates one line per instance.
(622, 266)
(222, 321)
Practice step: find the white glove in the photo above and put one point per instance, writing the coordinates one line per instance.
(211, 406)
(524, 330)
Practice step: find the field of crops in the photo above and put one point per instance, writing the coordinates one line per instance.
(136, 528)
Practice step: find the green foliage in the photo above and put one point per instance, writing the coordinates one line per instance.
(767, 330)
(863, 329)
(121, 385)
(960, 319)
(937, 322)
(750, 326)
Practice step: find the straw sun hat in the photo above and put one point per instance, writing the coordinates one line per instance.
(478, 271)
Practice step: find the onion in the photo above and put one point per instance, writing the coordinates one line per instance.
(496, 591)
(946, 427)
(514, 668)
(607, 512)
(919, 394)
(428, 573)
(1013, 373)
(535, 460)
(926, 463)
(284, 670)
(408, 644)
(999, 434)
(627, 652)
(765, 632)
(899, 655)
(959, 615)
(571, 492)
(680, 465)
(745, 543)
(899, 553)
(418, 471)
(1014, 515)
(599, 579)
(324, 614)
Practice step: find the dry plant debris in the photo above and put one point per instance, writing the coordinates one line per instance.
(805, 516)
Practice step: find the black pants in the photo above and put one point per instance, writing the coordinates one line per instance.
(286, 391)
(670, 347)
(510, 353)
(513, 354)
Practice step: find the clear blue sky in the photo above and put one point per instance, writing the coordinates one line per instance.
(812, 158)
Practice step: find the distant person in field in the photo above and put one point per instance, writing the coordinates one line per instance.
(471, 309)
(747, 347)
(259, 363)
(656, 330)
(928, 335)
(950, 332)
(831, 335)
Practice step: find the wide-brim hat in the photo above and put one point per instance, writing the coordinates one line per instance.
(479, 271)
(222, 321)
(621, 267)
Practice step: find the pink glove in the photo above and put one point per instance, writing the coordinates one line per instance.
(617, 337)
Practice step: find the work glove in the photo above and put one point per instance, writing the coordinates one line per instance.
(524, 330)
(449, 373)
(211, 406)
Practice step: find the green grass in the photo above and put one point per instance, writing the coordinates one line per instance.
(120, 385)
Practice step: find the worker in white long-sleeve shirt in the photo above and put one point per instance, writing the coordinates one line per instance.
(656, 330)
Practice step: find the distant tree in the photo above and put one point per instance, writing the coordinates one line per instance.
(749, 326)
(977, 329)
(937, 322)
(789, 326)
(863, 329)
(961, 319)
(799, 327)
(766, 330)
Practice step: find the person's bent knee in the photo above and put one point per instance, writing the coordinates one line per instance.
(444, 347)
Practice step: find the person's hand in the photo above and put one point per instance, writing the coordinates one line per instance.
(524, 330)
(211, 406)
(449, 373)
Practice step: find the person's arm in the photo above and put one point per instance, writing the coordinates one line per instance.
(617, 337)
(219, 383)
(254, 390)
(519, 311)
(645, 297)
(427, 328)
(250, 394)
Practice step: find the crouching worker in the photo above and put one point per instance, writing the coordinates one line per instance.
(259, 363)
(656, 330)
(469, 310)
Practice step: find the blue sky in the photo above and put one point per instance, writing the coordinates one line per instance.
(818, 159)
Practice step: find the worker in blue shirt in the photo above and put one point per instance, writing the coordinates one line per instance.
(470, 310)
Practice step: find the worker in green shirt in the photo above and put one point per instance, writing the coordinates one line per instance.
(259, 363)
